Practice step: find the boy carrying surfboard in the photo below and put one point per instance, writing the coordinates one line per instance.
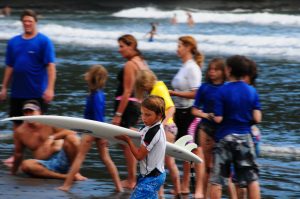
(151, 152)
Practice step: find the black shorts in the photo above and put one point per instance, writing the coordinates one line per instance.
(16, 107)
(131, 114)
(183, 119)
(208, 128)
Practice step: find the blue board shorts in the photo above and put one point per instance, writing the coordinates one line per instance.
(147, 187)
(58, 162)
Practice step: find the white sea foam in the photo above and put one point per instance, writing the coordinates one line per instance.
(268, 46)
(204, 16)
(269, 150)
(275, 46)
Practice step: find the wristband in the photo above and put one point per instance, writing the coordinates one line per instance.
(118, 114)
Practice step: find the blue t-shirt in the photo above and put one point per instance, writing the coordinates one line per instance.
(29, 59)
(235, 102)
(205, 98)
(95, 106)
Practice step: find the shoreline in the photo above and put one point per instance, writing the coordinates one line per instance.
(276, 5)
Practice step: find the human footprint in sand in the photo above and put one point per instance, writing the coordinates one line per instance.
(53, 149)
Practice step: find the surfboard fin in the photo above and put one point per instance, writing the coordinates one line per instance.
(183, 142)
(191, 146)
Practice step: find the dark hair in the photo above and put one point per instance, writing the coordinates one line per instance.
(220, 65)
(239, 66)
(156, 104)
(30, 13)
(252, 71)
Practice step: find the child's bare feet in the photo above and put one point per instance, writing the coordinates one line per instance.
(185, 191)
(79, 177)
(9, 160)
(127, 184)
(64, 188)
(198, 196)
(119, 189)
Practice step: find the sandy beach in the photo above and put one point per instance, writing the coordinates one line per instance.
(21, 186)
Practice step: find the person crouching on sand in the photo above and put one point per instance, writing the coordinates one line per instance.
(151, 152)
(53, 149)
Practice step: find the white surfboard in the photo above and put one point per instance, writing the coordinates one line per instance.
(182, 150)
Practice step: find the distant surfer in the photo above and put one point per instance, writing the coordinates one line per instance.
(151, 152)
(6, 10)
(190, 20)
(152, 32)
(174, 19)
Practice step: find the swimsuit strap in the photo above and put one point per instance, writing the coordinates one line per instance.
(138, 63)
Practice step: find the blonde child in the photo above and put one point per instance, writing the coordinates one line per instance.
(96, 78)
(147, 83)
(151, 152)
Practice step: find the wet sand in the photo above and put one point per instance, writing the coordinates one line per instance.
(22, 186)
(99, 184)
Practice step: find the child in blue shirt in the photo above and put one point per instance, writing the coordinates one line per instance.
(204, 108)
(237, 108)
(95, 110)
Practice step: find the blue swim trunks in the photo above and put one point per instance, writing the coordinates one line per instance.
(147, 187)
(58, 162)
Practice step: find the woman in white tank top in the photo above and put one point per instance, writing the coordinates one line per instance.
(185, 84)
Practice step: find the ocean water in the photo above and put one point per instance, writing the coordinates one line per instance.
(84, 38)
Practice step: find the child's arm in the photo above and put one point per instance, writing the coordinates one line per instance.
(184, 94)
(199, 113)
(218, 119)
(257, 116)
(18, 153)
(169, 114)
(139, 152)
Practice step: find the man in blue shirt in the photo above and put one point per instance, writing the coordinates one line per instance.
(30, 68)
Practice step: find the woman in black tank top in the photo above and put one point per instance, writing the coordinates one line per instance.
(127, 107)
